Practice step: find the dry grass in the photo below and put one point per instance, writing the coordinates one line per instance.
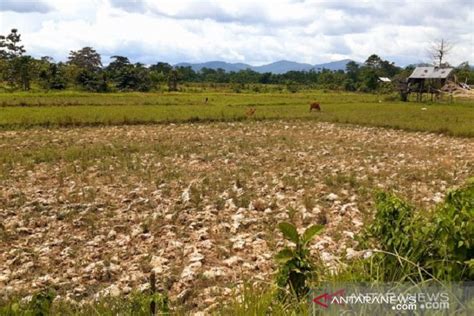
(89, 208)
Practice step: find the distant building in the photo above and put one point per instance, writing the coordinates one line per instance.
(436, 73)
(427, 80)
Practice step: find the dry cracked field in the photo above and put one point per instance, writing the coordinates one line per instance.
(94, 210)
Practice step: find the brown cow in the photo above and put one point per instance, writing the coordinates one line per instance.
(250, 112)
(314, 106)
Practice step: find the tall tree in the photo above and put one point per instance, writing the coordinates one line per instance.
(92, 81)
(382, 67)
(186, 74)
(369, 77)
(51, 75)
(127, 76)
(24, 71)
(465, 73)
(173, 78)
(352, 70)
(87, 69)
(86, 58)
(9, 45)
(373, 61)
(17, 70)
(164, 68)
(118, 64)
(159, 73)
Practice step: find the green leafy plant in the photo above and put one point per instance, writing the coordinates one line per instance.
(40, 304)
(452, 228)
(433, 244)
(296, 268)
(394, 222)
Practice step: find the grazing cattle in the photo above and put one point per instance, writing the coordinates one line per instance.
(314, 106)
(250, 112)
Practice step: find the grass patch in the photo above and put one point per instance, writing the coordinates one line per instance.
(22, 110)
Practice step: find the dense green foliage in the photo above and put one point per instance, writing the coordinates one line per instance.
(84, 71)
(432, 244)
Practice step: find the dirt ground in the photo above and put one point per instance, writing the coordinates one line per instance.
(91, 211)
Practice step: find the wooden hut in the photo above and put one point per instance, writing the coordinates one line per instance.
(427, 80)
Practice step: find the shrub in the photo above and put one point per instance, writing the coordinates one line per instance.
(433, 244)
(39, 304)
(292, 87)
(452, 236)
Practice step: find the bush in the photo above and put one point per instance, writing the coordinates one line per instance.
(292, 87)
(452, 236)
(436, 244)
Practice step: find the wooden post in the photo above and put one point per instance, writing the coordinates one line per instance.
(153, 290)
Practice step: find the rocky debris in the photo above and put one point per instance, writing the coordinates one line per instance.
(183, 296)
(196, 257)
(214, 273)
(159, 265)
(349, 206)
(238, 242)
(232, 261)
(190, 271)
(353, 254)
(112, 290)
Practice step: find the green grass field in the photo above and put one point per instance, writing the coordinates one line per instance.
(25, 110)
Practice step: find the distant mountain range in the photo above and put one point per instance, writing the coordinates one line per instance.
(278, 67)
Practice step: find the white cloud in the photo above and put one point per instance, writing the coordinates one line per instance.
(311, 31)
(24, 6)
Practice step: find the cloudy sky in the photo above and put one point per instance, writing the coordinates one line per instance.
(250, 31)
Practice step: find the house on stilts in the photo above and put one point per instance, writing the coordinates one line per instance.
(428, 80)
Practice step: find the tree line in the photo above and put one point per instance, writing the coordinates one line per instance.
(84, 70)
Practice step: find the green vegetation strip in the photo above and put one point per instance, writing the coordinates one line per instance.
(79, 109)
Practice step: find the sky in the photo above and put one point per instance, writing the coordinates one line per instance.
(249, 31)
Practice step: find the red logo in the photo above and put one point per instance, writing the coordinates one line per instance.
(325, 299)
